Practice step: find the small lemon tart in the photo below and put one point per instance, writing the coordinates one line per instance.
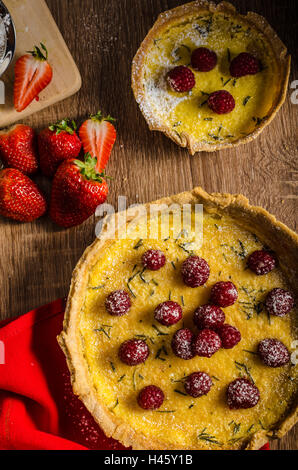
(122, 295)
(248, 63)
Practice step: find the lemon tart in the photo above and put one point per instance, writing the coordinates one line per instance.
(186, 340)
(208, 77)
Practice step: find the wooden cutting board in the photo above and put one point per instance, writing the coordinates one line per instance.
(34, 24)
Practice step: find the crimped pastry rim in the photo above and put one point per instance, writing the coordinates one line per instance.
(169, 17)
(236, 206)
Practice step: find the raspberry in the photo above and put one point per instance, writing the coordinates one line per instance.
(195, 271)
(273, 352)
(229, 335)
(151, 398)
(181, 79)
(279, 302)
(153, 260)
(208, 316)
(244, 64)
(224, 294)
(198, 384)
(118, 303)
(206, 343)
(242, 393)
(261, 262)
(203, 60)
(133, 352)
(221, 102)
(182, 344)
(168, 313)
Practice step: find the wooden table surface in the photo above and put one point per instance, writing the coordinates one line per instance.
(37, 259)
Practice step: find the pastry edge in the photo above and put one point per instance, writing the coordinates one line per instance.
(69, 342)
(170, 16)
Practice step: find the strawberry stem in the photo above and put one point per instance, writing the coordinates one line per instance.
(99, 117)
(65, 125)
(88, 168)
(40, 53)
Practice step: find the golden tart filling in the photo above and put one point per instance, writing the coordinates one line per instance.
(182, 420)
(187, 117)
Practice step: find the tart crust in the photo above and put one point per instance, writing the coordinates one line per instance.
(168, 19)
(280, 238)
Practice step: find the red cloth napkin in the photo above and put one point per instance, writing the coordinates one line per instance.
(38, 410)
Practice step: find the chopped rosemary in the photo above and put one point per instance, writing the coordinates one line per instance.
(103, 329)
(159, 332)
(129, 281)
(260, 423)
(227, 81)
(250, 428)
(121, 378)
(214, 377)
(165, 411)
(97, 287)
(112, 366)
(142, 276)
(204, 436)
(241, 253)
(208, 119)
(229, 55)
(157, 356)
(246, 100)
(154, 282)
(243, 367)
(173, 264)
(236, 428)
(250, 352)
(182, 300)
(116, 404)
(140, 243)
(180, 393)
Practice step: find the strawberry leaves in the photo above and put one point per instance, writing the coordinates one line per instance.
(88, 168)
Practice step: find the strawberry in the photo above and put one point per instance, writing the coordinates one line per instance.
(33, 73)
(20, 198)
(98, 136)
(18, 148)
(57, 143)
(78, 188)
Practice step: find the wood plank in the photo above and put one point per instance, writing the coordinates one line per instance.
(36, 260)
(34, 24)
